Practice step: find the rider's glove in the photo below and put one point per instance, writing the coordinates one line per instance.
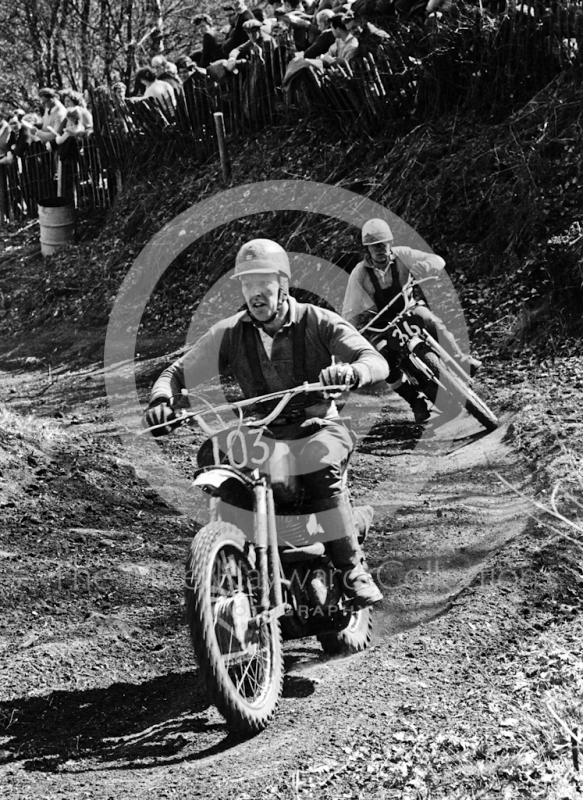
(160, 413)
(422, 269)
(339, 375)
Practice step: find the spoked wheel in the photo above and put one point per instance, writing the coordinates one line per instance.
(242, 665)
(354, 638)
(459, 393)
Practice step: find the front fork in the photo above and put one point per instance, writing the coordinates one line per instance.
(445, 356)
(425, 338)
(268, 564)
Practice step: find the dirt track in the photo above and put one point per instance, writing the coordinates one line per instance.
(100, 692)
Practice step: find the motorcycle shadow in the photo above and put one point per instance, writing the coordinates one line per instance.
(168, 719)
(403, 435)
(161, 720)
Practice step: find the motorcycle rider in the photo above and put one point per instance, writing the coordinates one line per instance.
(378, 279)
(276, 343)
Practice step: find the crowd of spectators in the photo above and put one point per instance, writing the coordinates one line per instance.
(289, 51)
(60, 122)
(299, 38)
(314, 35)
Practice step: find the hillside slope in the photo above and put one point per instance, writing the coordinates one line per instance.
(502, 203)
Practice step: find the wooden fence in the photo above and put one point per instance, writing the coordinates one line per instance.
(472, 62)
(131, 132)
(41, 173)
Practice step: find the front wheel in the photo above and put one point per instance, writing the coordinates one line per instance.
(352, 639)
(458, 392)
(242, 666)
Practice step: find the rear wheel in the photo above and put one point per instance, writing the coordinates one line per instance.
(458, 393)
(241, 666)
(352, 639)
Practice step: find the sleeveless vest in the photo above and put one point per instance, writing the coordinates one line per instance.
(248, 362)
(383, 296)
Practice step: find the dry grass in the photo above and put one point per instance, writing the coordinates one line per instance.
(18, 430)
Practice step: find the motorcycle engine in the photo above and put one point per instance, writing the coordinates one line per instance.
(316, 589)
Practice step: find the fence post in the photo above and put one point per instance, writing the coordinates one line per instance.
(3, 196)
(59, 177)
(222, 140)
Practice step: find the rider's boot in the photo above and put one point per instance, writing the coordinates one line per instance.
(418, 403)
(347, 555)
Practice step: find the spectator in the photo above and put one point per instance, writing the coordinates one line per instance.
(16, 142)
(345, 45)
(298, 69)
(72, 99)
(5, 133)
(167, 71)
(370, 38)
(186, 67)
(73, 127)
(253, 48)
(155, 88)
(67, 145)
(212, 50)
(236, 35)
(303, 30)
(119, 91)
(53, 117)
(119, 115)
(326, 37)
(30, 122)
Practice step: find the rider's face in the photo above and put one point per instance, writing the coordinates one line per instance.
(380, 253)
(261, 293)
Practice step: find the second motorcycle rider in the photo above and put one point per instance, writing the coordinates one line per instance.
(376, 281)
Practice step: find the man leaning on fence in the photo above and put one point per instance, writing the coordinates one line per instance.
(236, 36)
(54, 116)
(155, 88)
(345, 45)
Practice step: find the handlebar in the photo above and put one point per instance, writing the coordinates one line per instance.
(286, 395)
(409, 303)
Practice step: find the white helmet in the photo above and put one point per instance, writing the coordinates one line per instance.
(375, 231)
(263, 256)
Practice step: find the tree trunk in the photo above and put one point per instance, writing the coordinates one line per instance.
(157, 35)
(86, 55)
(34, 26)
(107, 34)
(131, 45)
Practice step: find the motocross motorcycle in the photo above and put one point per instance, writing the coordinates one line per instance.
(424, 362)
(257, 573)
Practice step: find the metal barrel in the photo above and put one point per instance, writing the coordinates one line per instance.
(56, 216)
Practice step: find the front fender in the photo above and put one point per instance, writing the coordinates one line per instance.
(214, 478)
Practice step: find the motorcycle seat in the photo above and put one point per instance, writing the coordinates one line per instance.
(293, 555)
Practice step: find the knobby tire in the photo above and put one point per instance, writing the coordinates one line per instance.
(353, 639)
(460, 392)
(244, 682)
